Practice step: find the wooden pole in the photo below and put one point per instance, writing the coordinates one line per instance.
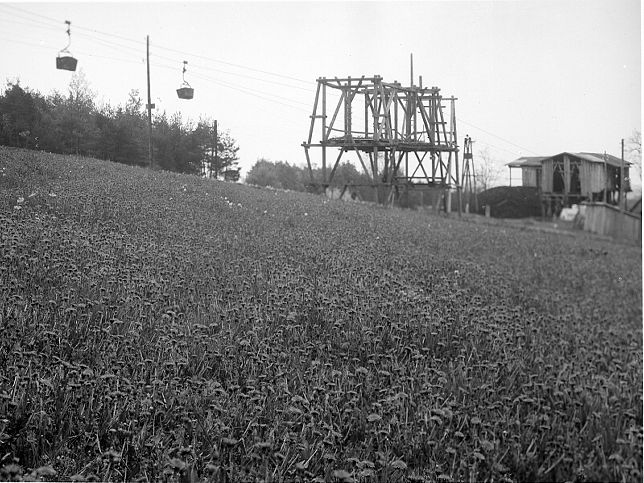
(411, 69)
(622, 191)
(411, 72)
(208, 172)
(216, 141)
(149, 106)
(606, 182)
(459, 193)
(324, 136)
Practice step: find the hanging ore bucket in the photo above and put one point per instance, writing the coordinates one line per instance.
(65, 60)
(185, 91)
(66, 63)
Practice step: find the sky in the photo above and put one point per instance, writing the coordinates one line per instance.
(532, 78)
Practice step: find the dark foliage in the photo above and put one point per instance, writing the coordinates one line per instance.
(511, 202)
(74, 124)
(282, 175)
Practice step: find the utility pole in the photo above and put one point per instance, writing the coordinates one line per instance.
(215, 147)
(606, 180)
(149, 104)
(622, 191)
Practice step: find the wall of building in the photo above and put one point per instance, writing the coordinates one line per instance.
(608, 220)
(547, 167)
(529, 177)
(593, 178)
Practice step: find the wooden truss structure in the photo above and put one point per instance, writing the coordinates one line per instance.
(400, 135)
(468, 181)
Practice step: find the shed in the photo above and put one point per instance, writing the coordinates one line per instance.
(568, 178)
(575, 177)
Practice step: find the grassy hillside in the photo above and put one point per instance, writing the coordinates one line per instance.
(154, 326)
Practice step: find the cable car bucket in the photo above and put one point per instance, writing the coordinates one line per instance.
(185, 91)
(65, 60)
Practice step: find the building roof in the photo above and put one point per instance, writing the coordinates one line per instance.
(536, 161)
(599, 158)
(527, 162)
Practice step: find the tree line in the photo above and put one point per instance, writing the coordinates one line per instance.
(73, 123)
(282, 175)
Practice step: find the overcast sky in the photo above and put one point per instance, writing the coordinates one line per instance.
(531, 77)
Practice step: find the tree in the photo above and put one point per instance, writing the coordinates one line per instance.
(53, 113)
(634, 151)
(75, 117)
(346, 173)
(278, 174)
(166, 141)
(216, 161)
(486, 170)
(19, 116)
(72, 123)
(122, 132)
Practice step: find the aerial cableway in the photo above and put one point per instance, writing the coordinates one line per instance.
(65, 60)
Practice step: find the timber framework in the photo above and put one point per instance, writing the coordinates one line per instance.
(400, 135)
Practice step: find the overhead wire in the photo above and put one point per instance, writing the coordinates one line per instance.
(255, 93)
(233, 64)
(120, 48)
(514, 153)
(34, 14)
(49, 23)
(112, 45)
(166, 48)
(82, 52)
(33, 22)
(208, 68)
(494, 135)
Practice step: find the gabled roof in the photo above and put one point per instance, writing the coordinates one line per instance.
(599, 158)
(527, 162)
(536, 161)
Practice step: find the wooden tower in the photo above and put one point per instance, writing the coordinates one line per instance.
(399, 135)
(468, 181)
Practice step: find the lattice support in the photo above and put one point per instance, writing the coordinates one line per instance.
(398, 135)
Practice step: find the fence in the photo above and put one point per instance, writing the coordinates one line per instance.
(609, 220)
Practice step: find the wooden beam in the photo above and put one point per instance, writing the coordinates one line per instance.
(364, 166)
(335, 114)
(308, 162)
(426, 122)
(315, 108)
(324, 138)
(335, 166)
(339, 80)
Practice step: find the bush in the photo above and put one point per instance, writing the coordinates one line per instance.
(511, 202)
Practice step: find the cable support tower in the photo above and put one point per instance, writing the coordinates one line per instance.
(401, 135)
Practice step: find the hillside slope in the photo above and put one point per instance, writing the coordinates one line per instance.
(164, 326)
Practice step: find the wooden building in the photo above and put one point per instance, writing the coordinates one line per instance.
(530, 170)
(570, 178)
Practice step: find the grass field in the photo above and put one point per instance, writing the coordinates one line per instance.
(158, 326)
